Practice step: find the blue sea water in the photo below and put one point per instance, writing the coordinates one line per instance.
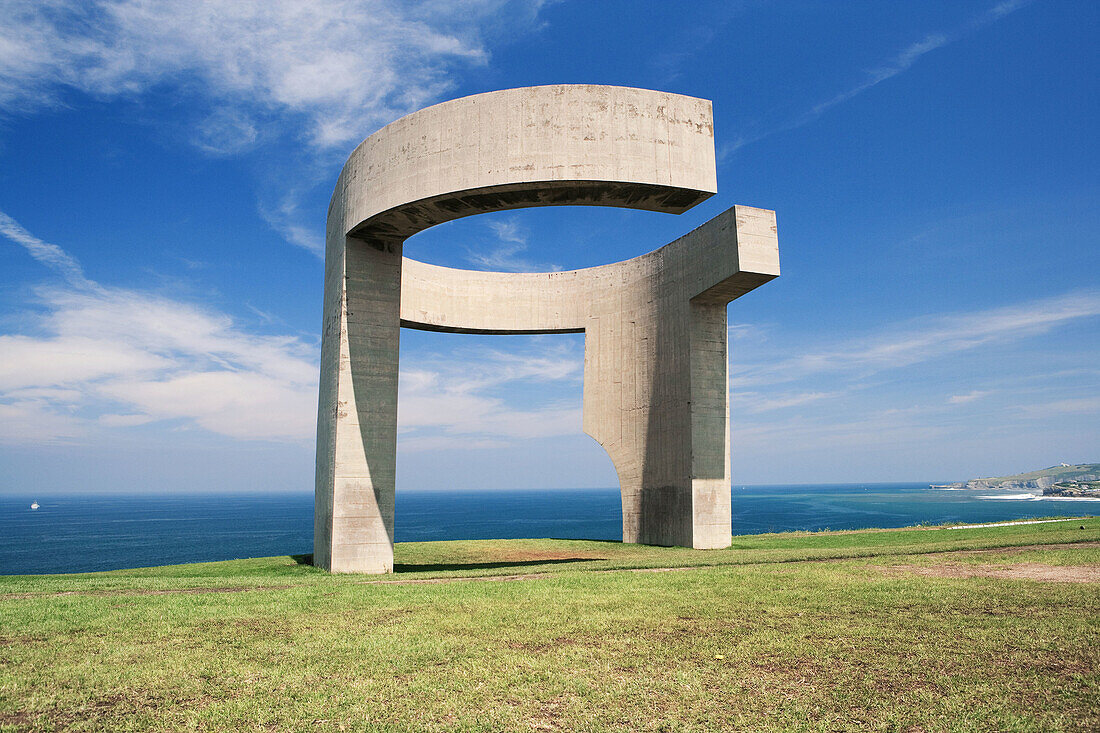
(80, 533)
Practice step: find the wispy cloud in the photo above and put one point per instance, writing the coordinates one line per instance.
(254, 73)
(745, 331)
(342, 67)
(962, 399)
(32, 422)
(226, 132)
(931, 338)
(285, 217)
(754, 402)
(939, 396)
(48, 254)
(681, 49)
(902, 62)
(505, 255)
(889, 68)
(455, 402)
(1064, 407)
(96, 357)
(866, 430)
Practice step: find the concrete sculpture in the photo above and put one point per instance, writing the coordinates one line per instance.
(655, 387)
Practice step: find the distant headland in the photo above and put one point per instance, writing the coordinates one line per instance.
(1081, 481)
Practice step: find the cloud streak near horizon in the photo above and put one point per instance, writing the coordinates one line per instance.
(926, 339)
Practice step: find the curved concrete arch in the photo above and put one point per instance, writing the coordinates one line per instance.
(655, 391)
(568, 144)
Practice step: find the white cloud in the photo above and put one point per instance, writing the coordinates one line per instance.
(929, 339)
(250, 73)
(755, 402)
(491, 368)
(245, 405)
(48, 254)
(927, 394)
(35, 422)
(962, 399)
(226, 132)
(124, 421)
(740, 331)
(36, 362)
(342, 66)
(449, 442)
(1082, 406)
(506, 254)
(284, 217)
(867, 431)
(451, 402)
(97, 357)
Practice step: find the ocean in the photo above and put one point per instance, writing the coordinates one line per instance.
(81, 533)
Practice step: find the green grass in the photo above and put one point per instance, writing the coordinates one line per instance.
(804, 631)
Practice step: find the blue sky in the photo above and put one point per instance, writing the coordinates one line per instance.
(165, 170)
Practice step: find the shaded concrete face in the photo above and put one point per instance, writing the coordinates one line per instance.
(655, 393)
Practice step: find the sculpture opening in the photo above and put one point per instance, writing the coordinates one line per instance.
(483, 413)
(655, 391)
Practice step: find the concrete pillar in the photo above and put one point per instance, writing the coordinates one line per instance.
(357, 434)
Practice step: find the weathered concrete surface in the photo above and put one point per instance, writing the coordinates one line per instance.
(655, 391)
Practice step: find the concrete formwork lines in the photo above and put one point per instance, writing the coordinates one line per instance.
(655, 393)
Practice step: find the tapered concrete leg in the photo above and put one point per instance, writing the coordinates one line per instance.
(656, 399)
(357, 421)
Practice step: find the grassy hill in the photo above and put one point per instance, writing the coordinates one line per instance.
(1060, 473)
(993, 628)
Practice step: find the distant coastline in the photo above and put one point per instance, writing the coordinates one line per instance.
(1079, 482)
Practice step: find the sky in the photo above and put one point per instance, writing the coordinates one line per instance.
(165, 172)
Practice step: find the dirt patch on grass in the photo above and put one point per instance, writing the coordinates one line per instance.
(549, 716)
(524, 576)
(1018, 550)
(433, 581)
(21, 640)
(1018, 571)
(19, 721)
(103, 708)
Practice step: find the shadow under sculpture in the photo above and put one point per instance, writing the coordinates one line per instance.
(655, 385)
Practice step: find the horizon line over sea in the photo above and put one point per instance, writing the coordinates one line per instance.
(111, 530)
(734, 486)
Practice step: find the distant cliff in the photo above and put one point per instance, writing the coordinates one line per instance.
(1044, 479)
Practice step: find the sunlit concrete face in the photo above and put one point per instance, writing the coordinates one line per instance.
(655, 388)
